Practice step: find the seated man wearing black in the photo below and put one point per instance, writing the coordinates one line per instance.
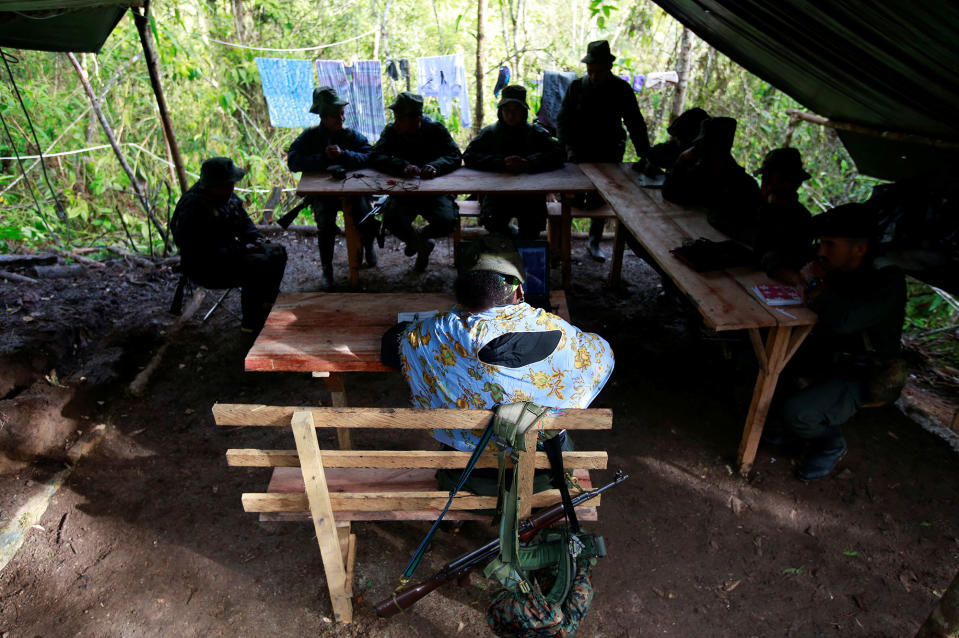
(682, 134)
(707, 175)
(416, 146)
(513, 146)
(221, 248)
(852, 358)
(321, 148)
(785, 237)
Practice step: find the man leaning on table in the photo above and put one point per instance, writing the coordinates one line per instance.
(590, 124)
(493, 348)
(414, 146)
(513, 145)
(320, 148)
(852, 358)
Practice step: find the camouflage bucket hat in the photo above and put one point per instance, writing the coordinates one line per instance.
(407, 103)
(497, 254)
(686, 127)
(324, 99)
(218, 171)
(513, 93)
(848, 221)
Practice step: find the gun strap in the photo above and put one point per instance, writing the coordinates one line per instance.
(421, 550)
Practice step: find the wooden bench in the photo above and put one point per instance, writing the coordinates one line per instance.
(470, 209)
(335, 487)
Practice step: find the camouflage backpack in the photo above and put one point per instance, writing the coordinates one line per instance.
(558, 561)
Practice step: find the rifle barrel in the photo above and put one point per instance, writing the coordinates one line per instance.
(408, 596)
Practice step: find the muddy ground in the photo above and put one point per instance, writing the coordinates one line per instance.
(147, 537)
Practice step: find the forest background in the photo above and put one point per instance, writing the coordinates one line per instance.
(206, 51)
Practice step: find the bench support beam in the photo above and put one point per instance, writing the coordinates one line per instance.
(321, 511)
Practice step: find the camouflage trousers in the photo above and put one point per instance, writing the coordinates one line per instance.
(532, 616)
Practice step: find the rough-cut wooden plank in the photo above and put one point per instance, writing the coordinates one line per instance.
(554, 210)
(583, 513)
(723, 303)
(399, 458)
(524, 475)
(386, 501)
(317, 497)
(339, 332)
(777, 344)
(288, 480)
(464, 180)
(400, 418)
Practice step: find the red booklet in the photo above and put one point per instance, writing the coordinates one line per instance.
(778, 295)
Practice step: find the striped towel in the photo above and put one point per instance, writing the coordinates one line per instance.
(288, 89)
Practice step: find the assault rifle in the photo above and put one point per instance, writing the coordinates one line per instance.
(408, 596)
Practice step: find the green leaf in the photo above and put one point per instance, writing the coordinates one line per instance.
(795, 571)
(850, 552)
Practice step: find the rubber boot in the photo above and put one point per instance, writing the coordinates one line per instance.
(423, 254)
(326, 242)
(595, 237)
(822, 457)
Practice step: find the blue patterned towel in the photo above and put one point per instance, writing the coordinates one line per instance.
(288, 89)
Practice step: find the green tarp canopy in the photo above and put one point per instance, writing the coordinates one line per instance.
(885, 64)
(59, 25)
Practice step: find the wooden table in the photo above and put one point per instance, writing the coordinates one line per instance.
(724, 298)
(566, 181)
(328, 334)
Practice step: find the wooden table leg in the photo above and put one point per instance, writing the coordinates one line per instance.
(354, 247)
(619, 246)
(337, 389)
(566, 233)
(321, 511)
(781, 344)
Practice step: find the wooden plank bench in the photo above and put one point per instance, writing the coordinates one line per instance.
(470, 209)
(335, 487)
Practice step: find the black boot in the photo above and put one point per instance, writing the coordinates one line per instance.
(595, 237)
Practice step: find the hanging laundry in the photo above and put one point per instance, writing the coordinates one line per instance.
(444, 77)
(333, 73)
(288, 89)
(405, 71)
(366, 96)
(661, 79)
(392, 70)
(501, 80)
(638, 80)
(555, 84)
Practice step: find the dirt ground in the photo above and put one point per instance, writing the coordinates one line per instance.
(146, 536)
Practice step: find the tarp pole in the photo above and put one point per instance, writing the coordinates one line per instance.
(142, 21)
(868, 130)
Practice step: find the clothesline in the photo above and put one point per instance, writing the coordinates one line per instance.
(316, 48)
(141, 149)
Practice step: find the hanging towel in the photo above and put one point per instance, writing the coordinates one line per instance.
(366, 96)
(288, 89)
(638, 80)
(405, 71)
(333, 73)
(444, 77)
(502, 80)
(555, 84)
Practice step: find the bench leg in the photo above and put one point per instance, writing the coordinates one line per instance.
(321, 511)
(527, 466)
(337, 390)
(619, 245)
(566, 232)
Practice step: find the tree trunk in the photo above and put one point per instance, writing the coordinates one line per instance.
(173, 149)
(239, 19)
(943, 622)
(682, 70)
(134, 182)
(482, 6)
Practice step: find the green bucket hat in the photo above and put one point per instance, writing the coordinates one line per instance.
(407, 103)
(497, 254)
(598, 53)
(849, 221)
(218, 171)
(513, 93)
(787, 161)
(324, 99)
